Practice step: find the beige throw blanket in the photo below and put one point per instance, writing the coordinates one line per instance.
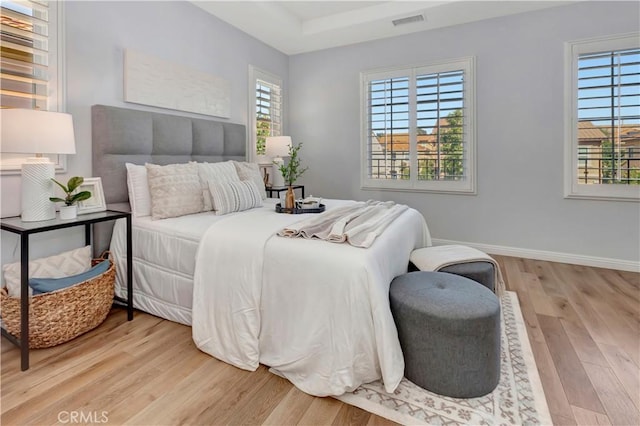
(438, 257)
(358, 224)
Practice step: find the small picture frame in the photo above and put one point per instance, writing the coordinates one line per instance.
(96, 203)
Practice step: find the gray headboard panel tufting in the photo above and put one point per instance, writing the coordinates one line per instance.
(121, 135)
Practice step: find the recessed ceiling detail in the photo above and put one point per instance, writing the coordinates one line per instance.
(303, 26)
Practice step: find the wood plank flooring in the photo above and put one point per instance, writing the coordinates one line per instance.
(583, 325)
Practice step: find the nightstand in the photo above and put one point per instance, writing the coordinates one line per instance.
(278, 189)
(25, 229)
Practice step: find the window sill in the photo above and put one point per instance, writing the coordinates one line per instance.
(593, 197)
(418, 190)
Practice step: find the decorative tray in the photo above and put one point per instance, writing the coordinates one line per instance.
(280, 209)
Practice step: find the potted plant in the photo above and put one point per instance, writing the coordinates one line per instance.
(70, 209)
(291, 172)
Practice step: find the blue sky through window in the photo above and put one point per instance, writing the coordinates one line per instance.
(609, 86)
(437, 95)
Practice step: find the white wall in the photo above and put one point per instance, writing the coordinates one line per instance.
(520, 130)
(97, 32)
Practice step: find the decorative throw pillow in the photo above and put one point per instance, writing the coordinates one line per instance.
(230, 197)
(175, 190)
(139, 197)
(46, 285)
(251, 171)
(71, 262)
(216, 172)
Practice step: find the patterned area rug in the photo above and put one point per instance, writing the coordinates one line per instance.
(518, 399)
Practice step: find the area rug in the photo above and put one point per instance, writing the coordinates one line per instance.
(518, 399)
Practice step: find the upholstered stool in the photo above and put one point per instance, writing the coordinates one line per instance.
(449, 331)
(480, 271)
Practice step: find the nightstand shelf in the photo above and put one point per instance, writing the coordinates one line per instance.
(24, 230)
(278, 189)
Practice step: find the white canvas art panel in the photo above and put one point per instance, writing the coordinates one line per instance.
(149, 80)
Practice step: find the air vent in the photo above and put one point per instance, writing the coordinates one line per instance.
(408, 20)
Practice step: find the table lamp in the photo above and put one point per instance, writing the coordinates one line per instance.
(276, 148)
(27, 131)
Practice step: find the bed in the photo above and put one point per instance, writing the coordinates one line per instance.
(314, 311)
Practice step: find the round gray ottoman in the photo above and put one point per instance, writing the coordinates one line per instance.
(449, 331)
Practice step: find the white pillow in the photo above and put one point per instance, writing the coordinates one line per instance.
(175, 190)
(216, 172)
(251, 171)
(237, 196)
(139, 196)
(71, 262)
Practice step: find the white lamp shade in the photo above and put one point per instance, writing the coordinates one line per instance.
(278, 146)
(29, 131)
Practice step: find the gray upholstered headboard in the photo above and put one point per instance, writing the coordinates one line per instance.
(121, 135)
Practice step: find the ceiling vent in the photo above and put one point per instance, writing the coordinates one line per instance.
(408, 20)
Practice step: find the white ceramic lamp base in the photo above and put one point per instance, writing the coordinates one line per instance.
(37, 187)
(276, 174)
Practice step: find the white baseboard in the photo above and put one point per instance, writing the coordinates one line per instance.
(551, 256)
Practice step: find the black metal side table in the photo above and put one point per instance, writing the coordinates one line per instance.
(25, 229)
(278, 189)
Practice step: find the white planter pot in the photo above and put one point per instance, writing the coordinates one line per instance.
(68, 212)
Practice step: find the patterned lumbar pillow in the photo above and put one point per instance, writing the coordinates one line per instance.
(61, 265)
(175, 190)
(230, 197)
(216, 172)
(251, 171)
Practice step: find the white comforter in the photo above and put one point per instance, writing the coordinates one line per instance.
(318, 312)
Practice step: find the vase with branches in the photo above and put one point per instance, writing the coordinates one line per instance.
(291, 171)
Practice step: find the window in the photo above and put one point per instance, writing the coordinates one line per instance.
(31, 63)
(418, 128)
(603, 124)
(266, 102)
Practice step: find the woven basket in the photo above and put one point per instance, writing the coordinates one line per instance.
(62, 315)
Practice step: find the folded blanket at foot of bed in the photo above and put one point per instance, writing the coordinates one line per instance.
(358, 224)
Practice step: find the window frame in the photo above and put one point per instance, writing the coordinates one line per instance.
(256, 74)
(572, 188)
(57, 86)
(463, 187)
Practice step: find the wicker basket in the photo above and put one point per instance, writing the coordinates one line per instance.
(62, 315)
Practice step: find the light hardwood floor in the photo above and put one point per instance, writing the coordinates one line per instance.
(583, 325)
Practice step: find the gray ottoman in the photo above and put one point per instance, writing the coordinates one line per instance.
(481, 272)
(449, 331)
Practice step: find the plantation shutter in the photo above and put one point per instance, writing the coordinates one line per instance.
(388, 128)
(24, 54)
(268, 112)
(440, 123)
(609, 117)
(432, 102)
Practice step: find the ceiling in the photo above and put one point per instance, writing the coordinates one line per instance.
(303, 26)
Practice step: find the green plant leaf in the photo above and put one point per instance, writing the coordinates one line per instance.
(57, 200)
(292, 170)
(64, 188)
(74, 182)
(80, 196)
